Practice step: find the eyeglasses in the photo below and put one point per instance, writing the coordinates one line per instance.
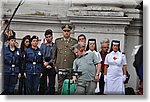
(66, 30)
(48, 36)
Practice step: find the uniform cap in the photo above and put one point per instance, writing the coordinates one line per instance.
(66, 27)
(11, 37)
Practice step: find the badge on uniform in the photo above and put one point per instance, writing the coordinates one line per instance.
(17, 52)
(34, 63)
(114, 58)
(39, 53)
(12, 65)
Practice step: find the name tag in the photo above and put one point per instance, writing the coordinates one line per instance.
(12, 65)
(34, 62)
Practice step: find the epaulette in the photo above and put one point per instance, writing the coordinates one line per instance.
(123, 53)
(59, 38)
(86, 54)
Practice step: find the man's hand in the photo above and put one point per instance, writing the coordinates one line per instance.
(45, 64)
(74, 79)
(41, 75)
(48, 67)
(25, 75)
(19, 75)
(97, 78)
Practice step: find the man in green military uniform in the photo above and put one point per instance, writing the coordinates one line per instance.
(63, 55)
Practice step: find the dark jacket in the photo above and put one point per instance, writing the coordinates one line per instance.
(12, 60)
(103, 60)
(34, 61)
(48, 53)
(138, 63)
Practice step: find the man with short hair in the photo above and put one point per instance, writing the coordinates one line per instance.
(103, 53)
(89, 65)
(63, 55)
(82, 40)
(47, 50)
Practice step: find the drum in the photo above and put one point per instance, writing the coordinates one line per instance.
(65, 90)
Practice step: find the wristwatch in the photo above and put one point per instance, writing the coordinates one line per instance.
(97, 74)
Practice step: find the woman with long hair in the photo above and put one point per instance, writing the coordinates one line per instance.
(24, 45)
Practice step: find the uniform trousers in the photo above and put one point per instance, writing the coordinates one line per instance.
(101, 83)
(50, 88)
(10, 82)
(32, 84)
(85, 88)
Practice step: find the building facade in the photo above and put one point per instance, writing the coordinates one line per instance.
(113, 19)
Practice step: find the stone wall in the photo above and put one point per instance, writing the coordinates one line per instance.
(113, 19)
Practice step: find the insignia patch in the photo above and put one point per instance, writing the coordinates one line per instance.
(39, 53)
(17, 53)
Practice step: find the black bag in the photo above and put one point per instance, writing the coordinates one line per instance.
(129, 91)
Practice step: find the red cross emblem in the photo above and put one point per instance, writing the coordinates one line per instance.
(114, 58)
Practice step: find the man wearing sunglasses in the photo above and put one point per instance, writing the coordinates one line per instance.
(64, 56)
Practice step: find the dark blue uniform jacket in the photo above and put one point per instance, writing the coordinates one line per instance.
(12, 60)
(34, 61)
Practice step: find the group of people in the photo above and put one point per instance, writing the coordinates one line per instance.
(103, 72)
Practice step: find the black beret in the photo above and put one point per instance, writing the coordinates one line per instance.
(11, 37)
(27, 37)
(66, 27)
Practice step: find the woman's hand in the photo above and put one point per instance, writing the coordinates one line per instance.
(19, 75)
(25, 75)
